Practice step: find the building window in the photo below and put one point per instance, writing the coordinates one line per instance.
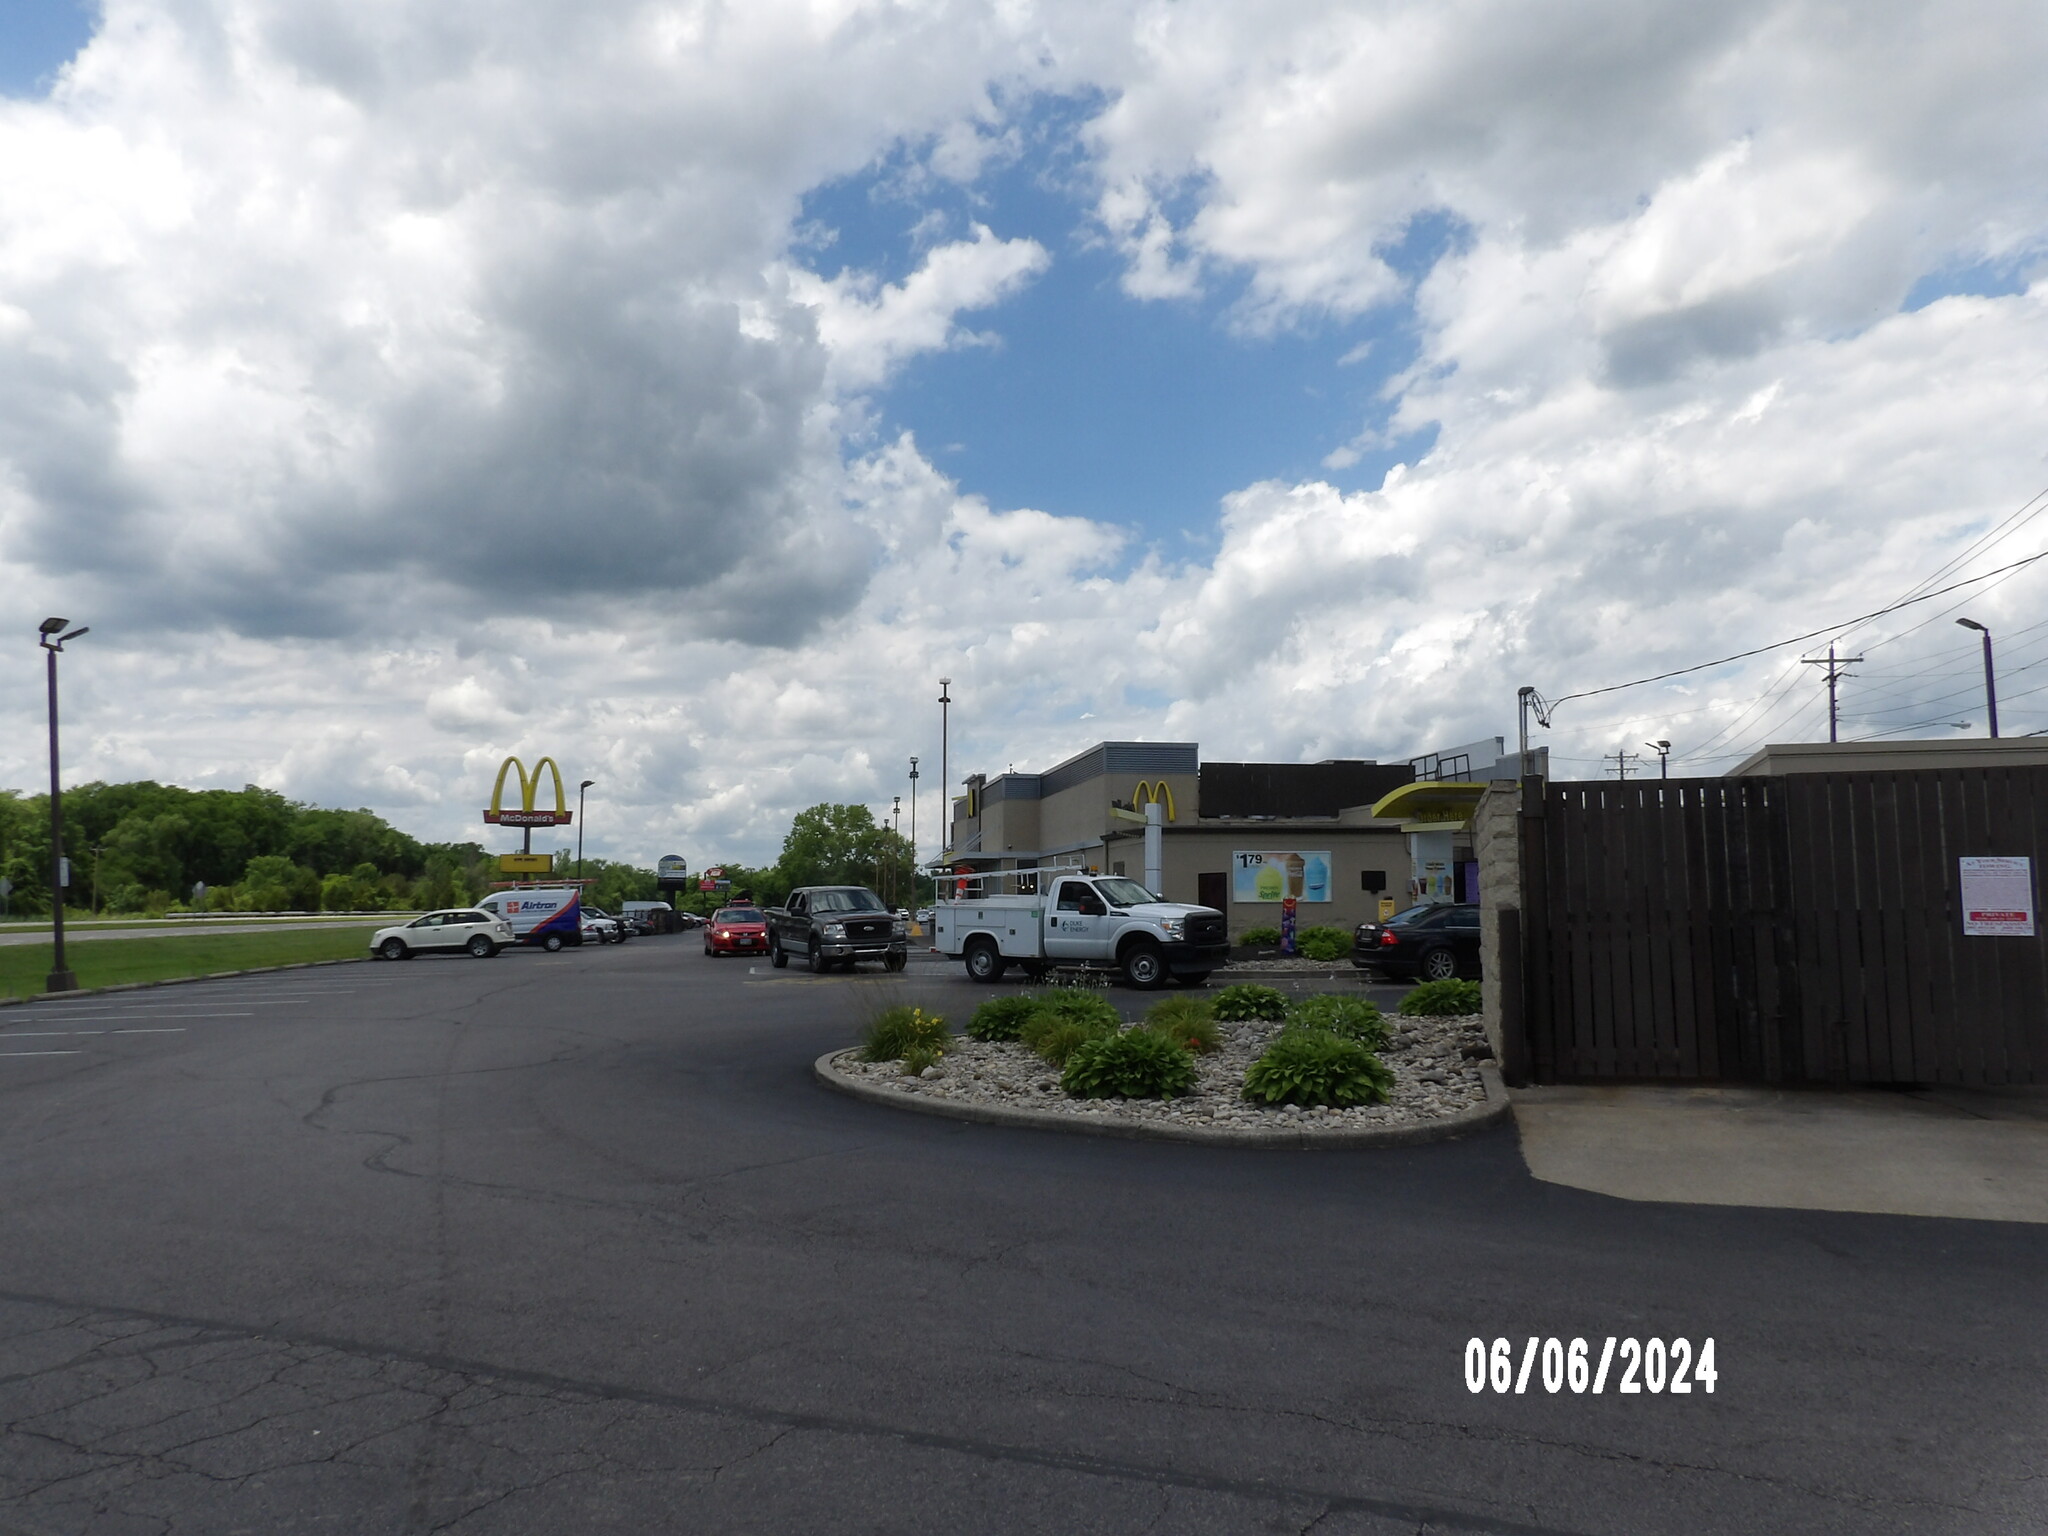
(1117, 868)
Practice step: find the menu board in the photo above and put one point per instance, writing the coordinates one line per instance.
(1273, 874)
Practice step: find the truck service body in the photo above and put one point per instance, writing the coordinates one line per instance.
(1074, 918)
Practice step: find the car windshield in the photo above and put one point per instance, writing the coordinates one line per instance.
(737, 915)
(846, 901)
(1124, 893)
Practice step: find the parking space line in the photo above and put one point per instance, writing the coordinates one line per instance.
(137, 1031)
(46, 1034)
(40, 1053)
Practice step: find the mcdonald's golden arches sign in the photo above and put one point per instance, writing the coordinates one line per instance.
(1158, 790)
(525, 815)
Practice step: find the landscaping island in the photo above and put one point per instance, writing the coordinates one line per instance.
(1429, 1076)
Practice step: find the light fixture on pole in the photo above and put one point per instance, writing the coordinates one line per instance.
(1663, 751)
(913, 827)
(60, 979)
(945, 767)
(1990, 679)
(579, 825)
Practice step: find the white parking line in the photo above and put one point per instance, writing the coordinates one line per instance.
(122, 1018)
(40, 1053)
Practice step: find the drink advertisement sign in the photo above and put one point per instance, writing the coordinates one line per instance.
(1998, 897)
(1272, 875)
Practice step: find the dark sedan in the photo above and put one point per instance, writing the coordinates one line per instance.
(1424, 943)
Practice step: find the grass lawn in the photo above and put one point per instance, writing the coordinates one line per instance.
(102, 962)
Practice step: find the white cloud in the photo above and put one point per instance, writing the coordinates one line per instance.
(393, 388)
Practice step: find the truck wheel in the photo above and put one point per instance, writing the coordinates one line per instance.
(819, 964)
(985, 963)
(777, 955)
(896, 960)
(552, 943)
(1144, 966)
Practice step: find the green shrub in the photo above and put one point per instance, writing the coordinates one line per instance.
(1352, 1018)
(1131, 1064)
(1249, 1000)
(1055, 1038)
(1323, 943)
(1001, 1017)
(918, 1057)
(1438, 999)
(1187, 1021)
(1080, 1003)
(1259, 936)
(898, 1030)
(1313, 1066)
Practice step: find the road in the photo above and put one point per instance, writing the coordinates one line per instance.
(86, 933)
(575, 1243)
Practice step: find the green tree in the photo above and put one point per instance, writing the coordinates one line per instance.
(844, 845)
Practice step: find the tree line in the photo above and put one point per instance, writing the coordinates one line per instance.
(828, 844)
(147, 848)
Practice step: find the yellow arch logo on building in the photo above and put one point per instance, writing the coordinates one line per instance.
(526, 815)
(1158, 790)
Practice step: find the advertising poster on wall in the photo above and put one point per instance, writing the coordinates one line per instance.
(1998, 898)
(1272, 875)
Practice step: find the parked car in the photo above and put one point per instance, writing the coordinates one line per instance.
(1426, 943)
(615, 928)
(736, 931)
(924, 918)
(460, 932)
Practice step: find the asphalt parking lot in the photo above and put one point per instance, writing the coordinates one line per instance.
(572, 1242)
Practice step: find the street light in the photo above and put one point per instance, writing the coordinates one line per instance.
(913, 832)
(1990, 681)
(895, 826)
(60, 979)
(579, 826)
(1663, 751)
(945, 768)
(95, 908)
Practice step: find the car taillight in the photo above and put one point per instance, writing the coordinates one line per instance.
(1389, 939)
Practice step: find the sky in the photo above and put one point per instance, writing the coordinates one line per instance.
(681, 390)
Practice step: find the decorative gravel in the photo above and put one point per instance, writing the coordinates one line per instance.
(1434, 1061)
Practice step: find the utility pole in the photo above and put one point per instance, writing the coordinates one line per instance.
(1623, 761)
(1835, 676)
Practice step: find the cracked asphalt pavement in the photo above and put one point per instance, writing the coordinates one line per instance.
(573, 1243)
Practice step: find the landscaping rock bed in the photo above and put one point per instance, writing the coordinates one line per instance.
(1437, 1066)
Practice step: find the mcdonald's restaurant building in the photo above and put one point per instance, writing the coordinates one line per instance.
(1239, 837)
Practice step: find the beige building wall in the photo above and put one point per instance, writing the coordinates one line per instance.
(1207, 849)
(1886, 756)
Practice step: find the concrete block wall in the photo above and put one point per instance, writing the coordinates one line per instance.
(1496, 844)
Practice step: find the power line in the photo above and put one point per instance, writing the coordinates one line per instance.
(1811, 634)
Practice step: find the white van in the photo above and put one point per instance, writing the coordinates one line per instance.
(549, 916)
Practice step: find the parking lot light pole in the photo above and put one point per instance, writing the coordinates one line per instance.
(913, 825)
(579, 824)
(60, 978)
(1663, 751)
(945, 767)
(1990, 680)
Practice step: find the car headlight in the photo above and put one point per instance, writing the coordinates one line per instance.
(835, 930)
(899, 930)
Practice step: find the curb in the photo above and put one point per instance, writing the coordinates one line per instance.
(1497, 1107)
(174, 981)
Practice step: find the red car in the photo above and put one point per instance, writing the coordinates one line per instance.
(736, 931)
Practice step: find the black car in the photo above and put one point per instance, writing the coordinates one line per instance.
(1428, 943)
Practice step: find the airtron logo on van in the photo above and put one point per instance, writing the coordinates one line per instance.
(526, 815)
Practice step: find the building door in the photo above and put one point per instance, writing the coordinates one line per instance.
(1213, 890)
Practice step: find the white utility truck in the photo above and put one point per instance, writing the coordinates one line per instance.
(1042, 918)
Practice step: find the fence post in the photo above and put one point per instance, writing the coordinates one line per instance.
(1514, 1018)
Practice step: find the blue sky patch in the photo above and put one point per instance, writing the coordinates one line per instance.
(38, 38)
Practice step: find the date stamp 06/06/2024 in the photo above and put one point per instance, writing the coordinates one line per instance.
(1645, 1365)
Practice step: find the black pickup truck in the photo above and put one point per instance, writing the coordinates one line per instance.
(832, 925)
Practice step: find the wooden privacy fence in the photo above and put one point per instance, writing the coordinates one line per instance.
(1806, 927)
